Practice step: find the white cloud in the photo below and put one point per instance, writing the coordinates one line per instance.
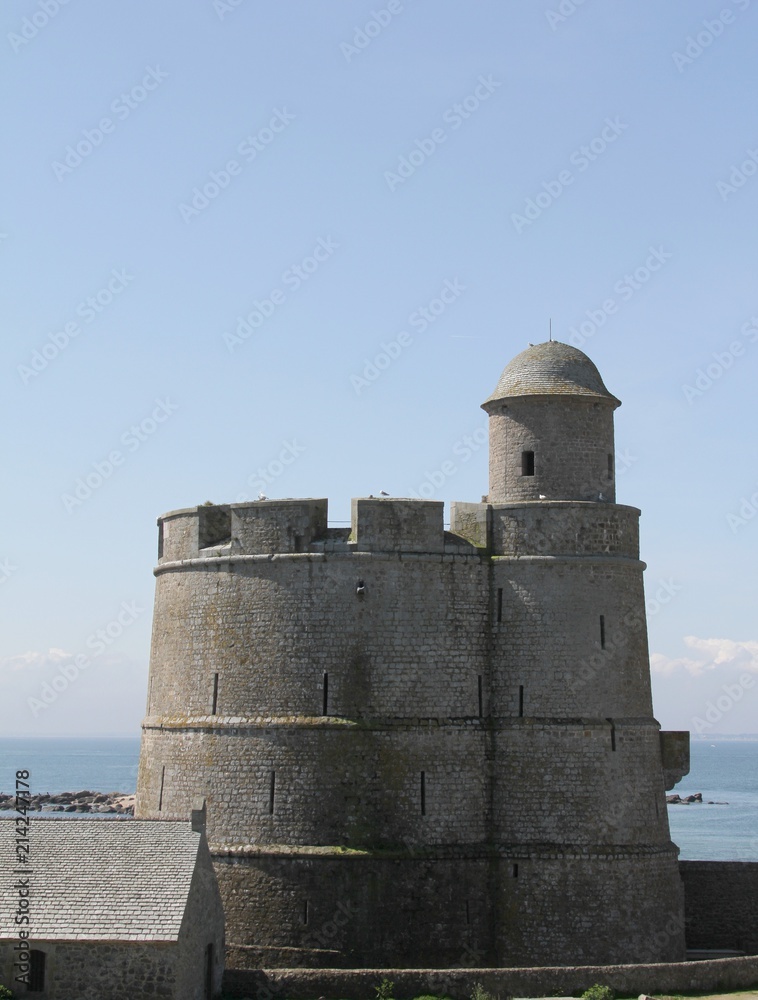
(33, 660)
(712, 654)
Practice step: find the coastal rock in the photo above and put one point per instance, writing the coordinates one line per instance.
(117, 803)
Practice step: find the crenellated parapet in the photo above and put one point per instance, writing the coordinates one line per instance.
(263, 527)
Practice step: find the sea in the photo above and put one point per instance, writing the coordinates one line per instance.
(725, 771)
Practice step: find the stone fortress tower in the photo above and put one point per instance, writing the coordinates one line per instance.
(419, 747)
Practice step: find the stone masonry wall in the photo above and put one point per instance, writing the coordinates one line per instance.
(369, 714)
(721, 904)
(92, 970)
(335, 785)
(571, 438)
(716, 976)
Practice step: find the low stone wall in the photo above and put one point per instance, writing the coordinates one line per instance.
(721, 904)
(359, 984)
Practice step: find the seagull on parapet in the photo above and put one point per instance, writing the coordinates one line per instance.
(600, 496)
(262, 496)
(383, 494)
(542, 496)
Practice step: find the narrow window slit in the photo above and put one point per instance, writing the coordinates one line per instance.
(527, 463)
(160, 794)
(214, 709)
(325, 706)
(423, 793)
(514, 869)
(305, 912)
(521, 700)
(481, 699)
(610, 466)
(36, 983)
(602, 631)
(613, 734)
(468, 913)
(271, 793)
(499, 604)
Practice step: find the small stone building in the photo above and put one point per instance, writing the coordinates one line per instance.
(119, 909)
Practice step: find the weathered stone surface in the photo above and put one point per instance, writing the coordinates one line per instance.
(721, 904)
(421, 725)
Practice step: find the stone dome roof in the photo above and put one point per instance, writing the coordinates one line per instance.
(551, 369)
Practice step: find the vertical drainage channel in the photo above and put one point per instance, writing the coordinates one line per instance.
(602, 631)
(499, 604)
(521, 700)
(481, 698)
(325, 705)
(423, 793)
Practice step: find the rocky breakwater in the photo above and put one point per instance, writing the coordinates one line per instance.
(115, 803)
(676, 800)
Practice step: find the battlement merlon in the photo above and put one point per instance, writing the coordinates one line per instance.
(260, 527)
(549, 528)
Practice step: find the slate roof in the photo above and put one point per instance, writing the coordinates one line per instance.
(95, 880)
(551, 369)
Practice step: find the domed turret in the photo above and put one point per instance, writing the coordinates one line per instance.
(551, 428)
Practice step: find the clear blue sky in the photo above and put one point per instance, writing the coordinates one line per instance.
(323, 171)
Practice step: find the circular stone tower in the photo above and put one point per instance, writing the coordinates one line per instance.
(419, 747)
